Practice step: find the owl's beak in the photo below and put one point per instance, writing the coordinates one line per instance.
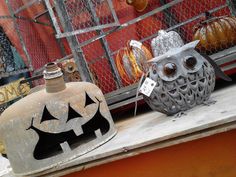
(184, 73)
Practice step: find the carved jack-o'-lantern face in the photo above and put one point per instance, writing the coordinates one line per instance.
(44, 129)
(50, 144)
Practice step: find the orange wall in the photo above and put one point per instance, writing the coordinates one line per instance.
(214, 156)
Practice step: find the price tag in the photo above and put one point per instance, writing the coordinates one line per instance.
(147, 86)
(135, 43)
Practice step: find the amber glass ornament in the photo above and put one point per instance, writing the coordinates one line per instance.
(139, 5)
(130, 62)
(215, 33)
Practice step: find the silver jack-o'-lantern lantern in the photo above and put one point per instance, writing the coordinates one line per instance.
(55, 124)
(184, 78)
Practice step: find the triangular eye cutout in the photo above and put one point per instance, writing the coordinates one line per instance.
(88, 100)
(47, 115)
(72, 114)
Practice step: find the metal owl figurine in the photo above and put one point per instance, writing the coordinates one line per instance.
(184, 78)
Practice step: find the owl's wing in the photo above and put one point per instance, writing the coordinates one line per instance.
(217, 69)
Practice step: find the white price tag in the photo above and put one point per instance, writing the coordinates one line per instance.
(147, 86)
(135, 43)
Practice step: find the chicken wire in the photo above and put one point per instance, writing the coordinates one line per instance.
(85, 16)
(98, 47)
(13, 60)
(31, 33)
(180, 16)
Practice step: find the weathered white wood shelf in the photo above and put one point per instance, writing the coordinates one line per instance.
(153, 130)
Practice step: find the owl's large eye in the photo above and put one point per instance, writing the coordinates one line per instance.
(170, 69)
(190, 62)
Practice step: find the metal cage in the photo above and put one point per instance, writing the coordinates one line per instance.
(93, 31)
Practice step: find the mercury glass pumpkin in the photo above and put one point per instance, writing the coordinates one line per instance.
(130, 61)
(215, 33)
(55, 125)
(165, 41)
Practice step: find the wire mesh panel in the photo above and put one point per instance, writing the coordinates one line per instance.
(13, 60)
(27, 43)
(191, 14)
(95, 40)
(94, 52)
(99, 48)
(32, 34)
(87, 15)
(42, 44)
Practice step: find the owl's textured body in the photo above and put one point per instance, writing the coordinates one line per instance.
(184, 88)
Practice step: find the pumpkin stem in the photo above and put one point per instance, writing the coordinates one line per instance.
(130, 2)
(208, 15)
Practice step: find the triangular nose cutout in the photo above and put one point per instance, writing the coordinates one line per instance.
(72, 114)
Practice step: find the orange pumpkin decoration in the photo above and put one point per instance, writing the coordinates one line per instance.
(130, 61)
(71, 73)
(139, 5)
(215, 33)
